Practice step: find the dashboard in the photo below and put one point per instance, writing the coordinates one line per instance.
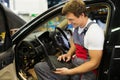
(30, 51)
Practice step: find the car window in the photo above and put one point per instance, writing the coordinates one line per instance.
(51, 23)
(96, 13)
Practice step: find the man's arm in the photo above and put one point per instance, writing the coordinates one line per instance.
(93, 63)
(72, 48)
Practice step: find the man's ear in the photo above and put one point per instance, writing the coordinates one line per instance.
(82, 14)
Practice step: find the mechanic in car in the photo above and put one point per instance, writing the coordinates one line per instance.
(85, 51)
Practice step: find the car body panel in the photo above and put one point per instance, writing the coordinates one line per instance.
(8, 71)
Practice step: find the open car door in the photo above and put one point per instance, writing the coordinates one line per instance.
(8, 21)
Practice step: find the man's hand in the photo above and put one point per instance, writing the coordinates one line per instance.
(64, 57)
(63, 71)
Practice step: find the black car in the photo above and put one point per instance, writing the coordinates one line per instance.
(48, 33)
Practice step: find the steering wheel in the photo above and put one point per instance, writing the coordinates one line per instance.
(61, 40)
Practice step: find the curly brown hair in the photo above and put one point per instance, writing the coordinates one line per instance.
(77, 7)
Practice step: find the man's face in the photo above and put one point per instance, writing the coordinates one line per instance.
(75, 21)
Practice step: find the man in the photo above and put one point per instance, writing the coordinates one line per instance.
(86, 46)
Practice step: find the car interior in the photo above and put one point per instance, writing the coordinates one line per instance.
(51, 38)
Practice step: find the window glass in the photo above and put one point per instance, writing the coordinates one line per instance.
(96, 13)
(52, 23)
(49, 25)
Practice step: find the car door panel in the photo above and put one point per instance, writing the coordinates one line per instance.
(114, 71)
(6, 58)
(8, 73)
(7, 65)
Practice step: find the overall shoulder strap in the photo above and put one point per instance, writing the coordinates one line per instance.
(80, 40)
(86, 28)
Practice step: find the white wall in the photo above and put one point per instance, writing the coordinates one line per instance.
(29, 6)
